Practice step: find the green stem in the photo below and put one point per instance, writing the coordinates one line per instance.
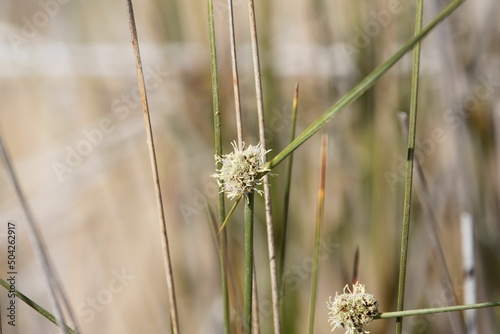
(319, 220)
(230, 213)
(425, 311)
(286, 202)
(409, 167)
(218, 151)
(46, 314)
(360, 88)
(248, 263)
(431, 222)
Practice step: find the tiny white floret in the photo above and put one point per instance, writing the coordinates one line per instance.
(352, 310)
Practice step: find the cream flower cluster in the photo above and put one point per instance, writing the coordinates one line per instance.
(352, 310)
(239, 174)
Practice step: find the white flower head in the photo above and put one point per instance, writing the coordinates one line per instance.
(352, 310)
(240, 170)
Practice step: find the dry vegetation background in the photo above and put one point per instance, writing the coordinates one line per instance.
(67, 84)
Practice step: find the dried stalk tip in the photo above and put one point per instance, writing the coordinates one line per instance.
(238, 173)
(352, 310)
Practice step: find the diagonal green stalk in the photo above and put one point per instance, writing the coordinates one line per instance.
(409, 167)
(218, 151)
(408, 313)
(46, 314)
(229, 214)
(247, 311)
(317, 239)
(361, 87)
(169, 275)
(286, 201)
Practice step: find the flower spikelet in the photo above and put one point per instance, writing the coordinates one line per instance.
(352, 310)
(239, 172)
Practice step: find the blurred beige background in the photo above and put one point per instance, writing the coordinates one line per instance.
(73, 125)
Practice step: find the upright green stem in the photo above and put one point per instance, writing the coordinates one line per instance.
(431, 222)
(218, 151)
(249, 207)
(409, 167)
(319, 220)
(286, 202)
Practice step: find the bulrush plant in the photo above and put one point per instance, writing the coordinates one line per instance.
(245, 171)
(240, 172)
